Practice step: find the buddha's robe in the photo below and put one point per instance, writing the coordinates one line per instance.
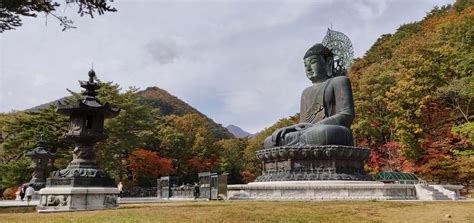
(327, 111)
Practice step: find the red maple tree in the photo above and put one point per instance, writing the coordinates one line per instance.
(147, 164)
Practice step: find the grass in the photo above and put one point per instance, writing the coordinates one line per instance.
(16, 210)
(263, 211)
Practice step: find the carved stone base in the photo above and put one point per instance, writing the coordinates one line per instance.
(37, 185)
(74, 176)
(80, 182)
(312, 162)
(56, 199)
(321, 190)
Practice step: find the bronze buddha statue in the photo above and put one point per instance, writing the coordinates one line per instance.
(327, 107)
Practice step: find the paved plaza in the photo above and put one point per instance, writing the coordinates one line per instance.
(125, 200)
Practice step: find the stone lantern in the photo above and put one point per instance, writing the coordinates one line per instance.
(82, 185)
(86, 127)
(40, 158)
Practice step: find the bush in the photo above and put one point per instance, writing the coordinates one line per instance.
(10, 193)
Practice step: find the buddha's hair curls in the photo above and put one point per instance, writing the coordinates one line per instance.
(319, 49)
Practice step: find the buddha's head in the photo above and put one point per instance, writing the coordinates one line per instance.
(319, 63)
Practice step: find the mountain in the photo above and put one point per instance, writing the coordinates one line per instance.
(170, 104)
(237, 131)
(45, 105)
(166, 102)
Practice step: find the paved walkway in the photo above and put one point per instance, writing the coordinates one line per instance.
(125, 200)
(129, 200)
(13, 203)
(132, 200)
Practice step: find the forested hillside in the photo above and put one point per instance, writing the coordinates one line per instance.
(171, 105)
(413, 93)
(142, 144)
(414, 96)
(168, 105)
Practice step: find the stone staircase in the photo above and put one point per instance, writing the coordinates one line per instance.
(449, 192)
(434, 192)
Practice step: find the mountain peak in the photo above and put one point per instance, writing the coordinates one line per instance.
(237, 131)
(168, 103)
(172, 105)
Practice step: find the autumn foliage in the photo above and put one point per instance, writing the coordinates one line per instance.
(203, 165)
(147, 165)
(413, 93)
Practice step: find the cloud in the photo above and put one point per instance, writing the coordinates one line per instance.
(370, 9)
(238, 62)
(164, 51)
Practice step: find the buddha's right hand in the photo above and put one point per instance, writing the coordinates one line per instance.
(302, 126)
(280, 133)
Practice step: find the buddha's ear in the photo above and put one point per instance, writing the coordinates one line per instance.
(330, 66)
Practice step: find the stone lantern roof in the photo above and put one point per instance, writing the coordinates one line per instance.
(40, 150)
(88, 102)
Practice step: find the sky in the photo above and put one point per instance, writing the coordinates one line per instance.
(238, 61)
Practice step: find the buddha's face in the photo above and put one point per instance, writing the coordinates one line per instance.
(316, 68)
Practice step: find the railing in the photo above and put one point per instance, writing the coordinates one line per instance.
(423, 182)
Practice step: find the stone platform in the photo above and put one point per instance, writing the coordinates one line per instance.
(321, 190)
(56, 199)
(313, 163)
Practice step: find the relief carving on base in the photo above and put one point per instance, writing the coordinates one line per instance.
(79, 172)
(110, 199)
(58, 200)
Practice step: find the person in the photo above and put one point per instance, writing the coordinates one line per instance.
(327, 107)
(29, 194)
(23, 190)
(196, 190)
(120, 187)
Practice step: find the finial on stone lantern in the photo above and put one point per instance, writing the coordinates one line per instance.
(91, 75)
(91, 86)
(41, 143)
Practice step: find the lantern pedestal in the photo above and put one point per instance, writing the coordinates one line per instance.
(78, 189)
(57, 199)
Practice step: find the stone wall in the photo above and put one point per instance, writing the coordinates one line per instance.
(321, 190)
(139, 192)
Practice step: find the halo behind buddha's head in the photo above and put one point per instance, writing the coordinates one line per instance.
(318, 49)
